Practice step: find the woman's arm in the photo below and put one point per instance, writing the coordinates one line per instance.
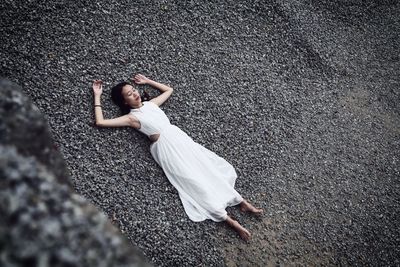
(166, 91)
(126, 120)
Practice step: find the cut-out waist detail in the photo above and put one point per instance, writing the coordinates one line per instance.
(154, 137)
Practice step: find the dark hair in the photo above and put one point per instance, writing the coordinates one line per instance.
(118, 98)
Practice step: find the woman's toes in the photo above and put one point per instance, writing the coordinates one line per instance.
(258, 211)
(245, 235)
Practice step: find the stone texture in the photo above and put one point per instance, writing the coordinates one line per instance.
(43, 222)
(302, 97)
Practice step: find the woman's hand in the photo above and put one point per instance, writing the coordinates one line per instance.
(140, 79)
(97, 87)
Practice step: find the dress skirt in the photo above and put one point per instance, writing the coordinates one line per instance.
(205, 181)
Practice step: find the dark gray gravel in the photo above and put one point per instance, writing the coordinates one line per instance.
(43, 221)
(302, 97)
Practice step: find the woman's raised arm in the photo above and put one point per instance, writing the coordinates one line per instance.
(126, 120)
(166, 91)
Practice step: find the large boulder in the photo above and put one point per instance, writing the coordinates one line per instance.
(43, 221)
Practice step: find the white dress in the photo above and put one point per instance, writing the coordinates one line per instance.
(205, 181)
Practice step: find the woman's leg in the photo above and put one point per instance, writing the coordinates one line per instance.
(243, 233)
(246, 206)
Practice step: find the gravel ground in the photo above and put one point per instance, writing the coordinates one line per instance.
(302, 97)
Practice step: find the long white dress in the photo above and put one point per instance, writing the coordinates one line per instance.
(205, 181)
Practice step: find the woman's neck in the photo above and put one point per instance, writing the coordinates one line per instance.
(138, 106)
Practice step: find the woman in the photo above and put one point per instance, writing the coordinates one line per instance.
(205, 181)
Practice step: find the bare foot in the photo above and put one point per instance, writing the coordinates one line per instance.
(247, 207)
(243, 233)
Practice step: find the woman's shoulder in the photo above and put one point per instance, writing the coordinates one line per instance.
(151, 104)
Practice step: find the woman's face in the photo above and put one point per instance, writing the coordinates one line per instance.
(131, 96)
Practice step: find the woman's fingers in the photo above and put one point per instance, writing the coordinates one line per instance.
(140, 79)
(97, 86)
(137, 79)
(97, 82)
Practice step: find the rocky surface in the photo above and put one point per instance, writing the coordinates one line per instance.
(43, 221)
(302, 97)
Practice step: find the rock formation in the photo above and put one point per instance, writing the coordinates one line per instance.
(43, 222)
